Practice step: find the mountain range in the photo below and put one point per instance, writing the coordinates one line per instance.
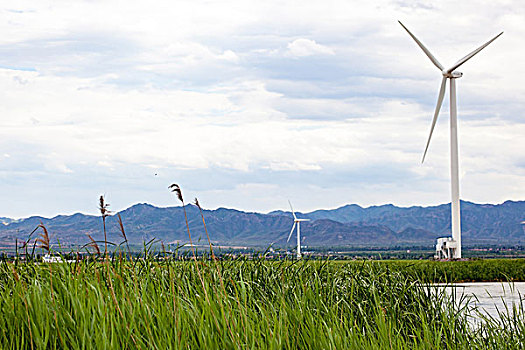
(350, 225)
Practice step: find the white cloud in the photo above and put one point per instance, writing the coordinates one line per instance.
(306, 47)
(254, 98)
(229, 55)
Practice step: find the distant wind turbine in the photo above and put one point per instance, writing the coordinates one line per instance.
(453, 246)
(297, 222)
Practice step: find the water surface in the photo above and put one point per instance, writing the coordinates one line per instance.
(490, 297)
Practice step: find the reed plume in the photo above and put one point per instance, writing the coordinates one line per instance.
(43, 239)
(104, 212)
(176, 189)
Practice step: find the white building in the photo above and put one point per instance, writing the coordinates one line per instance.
(446, 248)
(48, 258)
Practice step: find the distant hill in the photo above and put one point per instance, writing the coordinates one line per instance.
(5, 221)
(480, 222)
(385, 225)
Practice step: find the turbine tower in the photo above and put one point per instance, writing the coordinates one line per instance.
(449, 247)
(297, 222)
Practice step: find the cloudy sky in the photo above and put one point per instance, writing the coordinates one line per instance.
(246, 104)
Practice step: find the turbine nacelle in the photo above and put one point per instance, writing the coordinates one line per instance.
(451, 75)
(301, 220)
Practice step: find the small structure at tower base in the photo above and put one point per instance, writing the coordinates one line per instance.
(446, 248)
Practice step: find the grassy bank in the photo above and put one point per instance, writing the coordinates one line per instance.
(234, 304)
(483, 270)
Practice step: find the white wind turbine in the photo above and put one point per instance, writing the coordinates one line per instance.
(453, 246)
(297, 222)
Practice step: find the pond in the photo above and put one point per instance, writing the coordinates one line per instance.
(490, 297)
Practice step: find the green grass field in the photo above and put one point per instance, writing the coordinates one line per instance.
(481, 270)
(242, 304)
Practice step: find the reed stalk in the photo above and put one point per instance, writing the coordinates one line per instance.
(205, 228)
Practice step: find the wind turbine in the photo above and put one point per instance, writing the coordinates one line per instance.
(297, 222)
(454, 245)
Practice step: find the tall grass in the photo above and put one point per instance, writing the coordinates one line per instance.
(152, 303)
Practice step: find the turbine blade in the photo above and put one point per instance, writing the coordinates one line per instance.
(436, 113)
(427, 52)
(470, 55)
(293, 213)
(290, 235)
